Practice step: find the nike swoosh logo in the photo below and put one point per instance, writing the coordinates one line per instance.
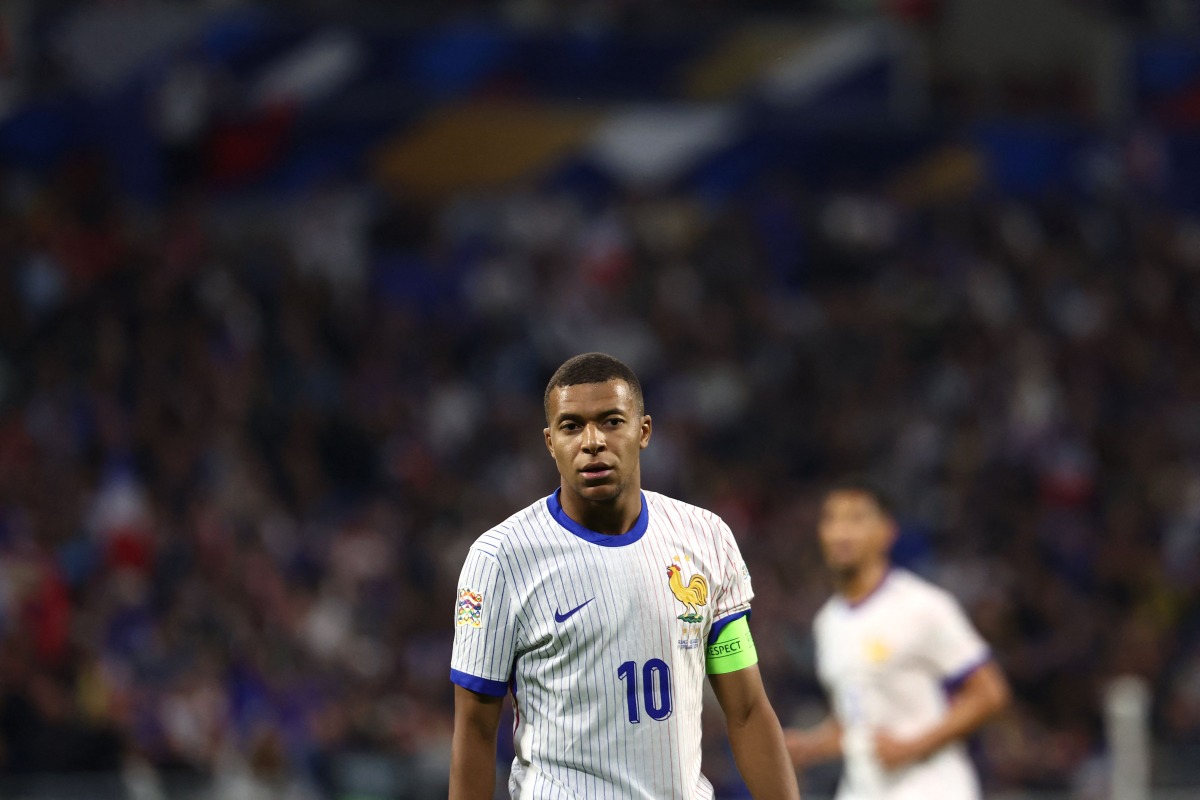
(561, 617)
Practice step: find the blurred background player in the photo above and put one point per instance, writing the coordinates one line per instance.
(601, 608)
(907, 674)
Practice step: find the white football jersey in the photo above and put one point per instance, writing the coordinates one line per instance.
(889, 663)
(600, 643)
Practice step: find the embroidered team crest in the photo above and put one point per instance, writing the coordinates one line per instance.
(693, 595)
(877, 651)
(470, 608)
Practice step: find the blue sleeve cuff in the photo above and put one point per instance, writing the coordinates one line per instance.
(477, 684)
(720, 624)
(952, 683)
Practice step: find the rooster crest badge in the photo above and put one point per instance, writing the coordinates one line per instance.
(693, 595)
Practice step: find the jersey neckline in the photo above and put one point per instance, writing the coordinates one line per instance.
(595, 537)
(875, 591)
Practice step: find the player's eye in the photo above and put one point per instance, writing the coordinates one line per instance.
(613, 422)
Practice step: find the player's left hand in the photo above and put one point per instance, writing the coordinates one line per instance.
(895, 753)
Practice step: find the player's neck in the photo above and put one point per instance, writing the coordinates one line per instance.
(858, 585)
(614, 517)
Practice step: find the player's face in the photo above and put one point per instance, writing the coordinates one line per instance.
(596, 436)
(854, 531)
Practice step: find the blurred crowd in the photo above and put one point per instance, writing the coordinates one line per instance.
(243, 451)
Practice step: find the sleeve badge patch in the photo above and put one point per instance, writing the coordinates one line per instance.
(470, 608)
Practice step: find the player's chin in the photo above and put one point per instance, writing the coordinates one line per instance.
(599, 491)
(843, 570)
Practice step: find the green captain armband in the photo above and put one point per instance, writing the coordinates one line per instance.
(733, 649)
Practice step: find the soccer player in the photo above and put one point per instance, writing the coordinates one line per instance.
(601, 608)
(907, 674)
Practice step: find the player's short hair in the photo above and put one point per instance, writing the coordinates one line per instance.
(862, 485)
(594, 368)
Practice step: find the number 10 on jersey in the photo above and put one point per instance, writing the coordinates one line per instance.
(656, 688)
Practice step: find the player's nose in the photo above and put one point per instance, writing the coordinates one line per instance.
(593, 439)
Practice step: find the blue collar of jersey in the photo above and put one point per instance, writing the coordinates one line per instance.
(595, 537)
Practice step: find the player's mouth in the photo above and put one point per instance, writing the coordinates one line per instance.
(841, 551)
(596, 471)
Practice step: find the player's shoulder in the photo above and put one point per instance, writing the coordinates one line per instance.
(516, 532)
(827, 610)
(917, 590)
(681, 512)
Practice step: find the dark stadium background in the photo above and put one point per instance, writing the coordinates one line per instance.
(281, 284)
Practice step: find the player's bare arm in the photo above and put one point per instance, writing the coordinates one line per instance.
(473, 748)
(755, 734)
(984, 693)
(814, 745)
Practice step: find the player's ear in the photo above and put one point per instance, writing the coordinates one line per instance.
(647, 429)
(549, 444)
